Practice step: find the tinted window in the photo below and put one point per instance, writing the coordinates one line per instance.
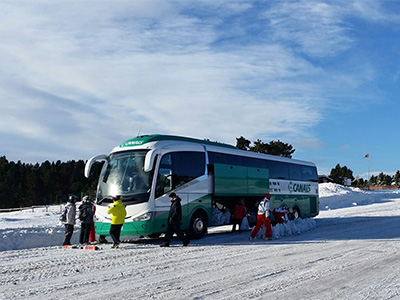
(295, 172)
(278, 170)
(164, 176)
(178, 168)
(235, 160)
(187, 166)
(217, 158)
(229, 159)
(254, 162)
(309, 173)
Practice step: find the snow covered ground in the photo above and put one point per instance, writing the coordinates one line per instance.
(350, 251)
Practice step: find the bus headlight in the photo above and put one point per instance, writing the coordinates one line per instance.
(98, 219)
(145, 217)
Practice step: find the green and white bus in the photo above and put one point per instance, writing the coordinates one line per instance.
(144, 170)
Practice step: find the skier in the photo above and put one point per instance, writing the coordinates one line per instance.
(92, 234)
(69, 223)
(174, 222)
(118, 212)
(86, 217)
(239, 212)
(280, 214)
(263, 218)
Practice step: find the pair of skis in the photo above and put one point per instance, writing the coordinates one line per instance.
(88, 247)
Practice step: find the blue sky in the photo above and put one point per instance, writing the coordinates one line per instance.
(79, 77)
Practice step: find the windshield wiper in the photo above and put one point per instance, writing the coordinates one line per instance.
(129, 199)
(108, 198)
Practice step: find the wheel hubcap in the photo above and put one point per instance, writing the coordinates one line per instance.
(198, 225)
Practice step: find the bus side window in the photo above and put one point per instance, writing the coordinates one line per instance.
(178, 168)
(309, 173)
(278, 170)
(187, 166)
(164, 176)
(295, 172)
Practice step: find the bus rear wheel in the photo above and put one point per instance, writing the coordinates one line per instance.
(198, 225)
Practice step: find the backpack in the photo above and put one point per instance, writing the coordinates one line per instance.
(82, 213)
(63, 217)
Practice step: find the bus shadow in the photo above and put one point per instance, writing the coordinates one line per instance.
(347, 228)
(327, 229)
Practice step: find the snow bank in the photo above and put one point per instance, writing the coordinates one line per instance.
(31, 229)
(293, 228)
(334, 196)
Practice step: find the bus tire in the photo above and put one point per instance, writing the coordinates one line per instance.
(198, 225)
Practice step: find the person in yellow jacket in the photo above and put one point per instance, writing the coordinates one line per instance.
(118, 212)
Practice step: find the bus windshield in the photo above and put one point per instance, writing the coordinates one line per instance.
(123, 175)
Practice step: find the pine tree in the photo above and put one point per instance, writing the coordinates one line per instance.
(242, 143)
(338, 174)
(396, 178)
(277, 148)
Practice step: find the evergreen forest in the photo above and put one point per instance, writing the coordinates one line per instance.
(23, 185)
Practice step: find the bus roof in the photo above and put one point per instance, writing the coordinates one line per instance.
(144, 139)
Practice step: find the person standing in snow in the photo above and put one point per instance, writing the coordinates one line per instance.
(263, 218)
(69, 223)
(239, 212)
(118, 212)
(92, 233)
(174, 222)
(86, 217)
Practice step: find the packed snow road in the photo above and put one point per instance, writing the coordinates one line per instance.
(352, 254)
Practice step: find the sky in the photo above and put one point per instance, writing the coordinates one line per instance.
(80, 77)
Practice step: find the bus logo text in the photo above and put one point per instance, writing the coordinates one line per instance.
(299, 187)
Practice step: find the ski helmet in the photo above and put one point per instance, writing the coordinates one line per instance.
(72, 198)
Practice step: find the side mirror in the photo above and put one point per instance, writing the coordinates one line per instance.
(91, 161)
(149, 160)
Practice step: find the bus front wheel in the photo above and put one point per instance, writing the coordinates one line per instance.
(198, 225)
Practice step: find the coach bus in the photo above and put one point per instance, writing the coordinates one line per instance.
(143, 171)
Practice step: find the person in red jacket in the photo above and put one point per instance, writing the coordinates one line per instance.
(239, 212)
(263, 218)
(280, 215)
(92, 234)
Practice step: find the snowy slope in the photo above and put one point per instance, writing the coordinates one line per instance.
(350, 251)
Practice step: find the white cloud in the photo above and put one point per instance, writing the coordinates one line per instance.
(85, 76)
(317, 28)
(375, 11)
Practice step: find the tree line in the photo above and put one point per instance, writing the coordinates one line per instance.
(338, 175)
(23, 185)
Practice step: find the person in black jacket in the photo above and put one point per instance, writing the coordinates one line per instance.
(174, 222)
(86, 217)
